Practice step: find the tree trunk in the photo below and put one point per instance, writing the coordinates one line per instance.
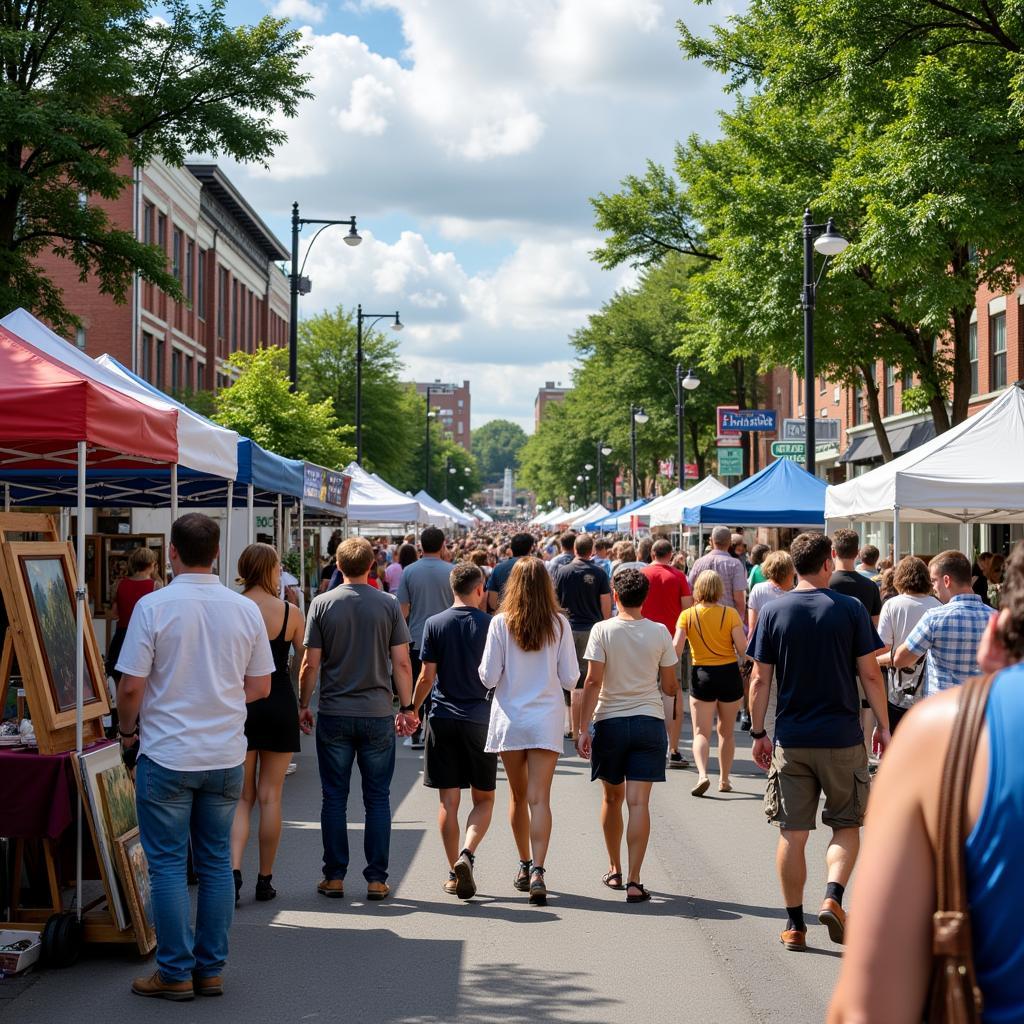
(960, 335)
(874, 411)
(698, 456)
(741, 400)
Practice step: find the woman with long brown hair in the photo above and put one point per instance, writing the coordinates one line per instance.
(271, 724)
(529, 659)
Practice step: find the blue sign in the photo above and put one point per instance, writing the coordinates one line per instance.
(749, 419)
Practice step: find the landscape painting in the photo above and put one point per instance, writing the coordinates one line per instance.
(117, 792)
(134, 869)
(52, 604)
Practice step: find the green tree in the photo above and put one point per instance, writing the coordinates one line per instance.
(392, 419)
(497, 445)
(89, 88)
(261, 406)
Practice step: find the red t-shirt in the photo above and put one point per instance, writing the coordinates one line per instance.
(664, 599)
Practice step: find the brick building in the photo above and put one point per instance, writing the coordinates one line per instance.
(236, 296)
(453, 407)
(545, 396)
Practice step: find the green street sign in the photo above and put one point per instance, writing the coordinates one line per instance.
(730, 461)
(794, 450)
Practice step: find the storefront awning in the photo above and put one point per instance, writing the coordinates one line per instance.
(904, 438)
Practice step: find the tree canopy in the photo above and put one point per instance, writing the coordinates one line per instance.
(89, 88)
(496, 445)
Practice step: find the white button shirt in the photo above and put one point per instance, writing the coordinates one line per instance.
(194, 641)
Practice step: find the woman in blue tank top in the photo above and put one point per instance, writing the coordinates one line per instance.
(887, 963)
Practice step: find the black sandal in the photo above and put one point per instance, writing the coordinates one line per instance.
(616, 878)
(522, 880)
(642, 898)
(538, 890)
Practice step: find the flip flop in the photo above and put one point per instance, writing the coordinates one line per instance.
(613, 879)
(701, 788)
(642, 898)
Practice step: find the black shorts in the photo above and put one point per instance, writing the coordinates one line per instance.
(455, 758)
(631, 748)
(716, 683)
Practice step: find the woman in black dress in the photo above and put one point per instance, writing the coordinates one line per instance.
(272, 724)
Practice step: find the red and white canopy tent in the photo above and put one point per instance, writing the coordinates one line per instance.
(53, 417)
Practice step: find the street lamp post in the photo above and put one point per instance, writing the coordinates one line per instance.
(426, 460)
(636, 415)
(373, 318)
(602, 449)
(300, 285)
(825, 239)
(683, 384)
(451, 471)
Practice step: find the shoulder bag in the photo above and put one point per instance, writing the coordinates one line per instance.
(954, 996)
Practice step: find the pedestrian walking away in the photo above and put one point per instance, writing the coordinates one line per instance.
(355, 637)
(528, 660)
(888, 962)
(271, 724)
(522, 545)
(460, 711)
(424, 590)
(195, 654)
(584, 592)
(667, 598)
(718, 646)
(779, 580)
(818, 643)
(631, 668)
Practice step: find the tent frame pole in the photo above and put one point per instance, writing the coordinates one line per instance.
(80, 610)
(250, 502)
(226, 554)
(895, 534)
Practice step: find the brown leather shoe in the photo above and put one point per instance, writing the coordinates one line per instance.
(332, 887)
(794, 941)
(377, 891)
(156, 987)
(833, 917)
(209, 986)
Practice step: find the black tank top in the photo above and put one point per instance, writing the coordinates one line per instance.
(279, 648)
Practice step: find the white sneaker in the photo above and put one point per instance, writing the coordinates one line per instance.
(291, 769)
(407, 742)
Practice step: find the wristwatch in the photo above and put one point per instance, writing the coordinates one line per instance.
(758, 735)
(407, 709)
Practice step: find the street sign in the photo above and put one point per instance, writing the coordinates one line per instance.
(730, 462)
(691, 471)
(825, 429)
(750, 420)
(794, 450)
(720, 412)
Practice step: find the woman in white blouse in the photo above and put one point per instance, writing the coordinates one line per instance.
(529, 659)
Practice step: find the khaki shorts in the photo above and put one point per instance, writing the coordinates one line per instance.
(798, 776)
(580, 637)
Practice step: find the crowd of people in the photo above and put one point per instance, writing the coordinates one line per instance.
(500, 647)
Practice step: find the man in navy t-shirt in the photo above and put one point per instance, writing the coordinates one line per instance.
(522, 547)
(453, 645)
(817, 642)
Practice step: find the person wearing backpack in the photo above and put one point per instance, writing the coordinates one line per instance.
(718, 646)
(900, 614)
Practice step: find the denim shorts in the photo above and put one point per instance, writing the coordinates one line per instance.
(631, 748)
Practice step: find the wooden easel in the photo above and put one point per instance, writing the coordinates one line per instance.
(98, 922)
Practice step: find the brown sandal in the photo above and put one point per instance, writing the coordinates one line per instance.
(613, 879)
(642, 898)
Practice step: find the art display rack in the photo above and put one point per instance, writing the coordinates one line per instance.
(54, 735)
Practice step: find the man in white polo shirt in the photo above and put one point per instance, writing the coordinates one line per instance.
(195, 654)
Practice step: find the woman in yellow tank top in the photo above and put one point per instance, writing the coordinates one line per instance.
(717, 644)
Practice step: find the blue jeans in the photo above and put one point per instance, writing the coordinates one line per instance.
(172, 806)
(340, 740)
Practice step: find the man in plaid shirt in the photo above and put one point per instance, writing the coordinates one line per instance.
(948, 636)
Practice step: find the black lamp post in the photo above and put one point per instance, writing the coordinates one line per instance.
(825, 239)
(602, 449)
(300, 285)
(397, 325)
(683, 384)
(636, 415)
(426, 461)
(450, 470)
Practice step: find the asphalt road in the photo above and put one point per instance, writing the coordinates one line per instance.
(705, 949)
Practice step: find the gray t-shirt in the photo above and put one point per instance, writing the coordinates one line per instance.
(355, 626)
(427, 590)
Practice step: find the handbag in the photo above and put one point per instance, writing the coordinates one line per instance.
(954, 996)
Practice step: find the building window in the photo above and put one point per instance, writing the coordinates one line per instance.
(200, 376)
(80, 337)
(190, 257)
(161, 231)
(201, 285)
(159, 363)
(997, 340)
(972, 348)
(175, 370)
(234, 315)
(222, 300)
(147, 356)
(462, 404)
(461, 426)
(908, 379)
(821, 385)
(858, 406)
(148, 213)
(176, 254)
(890, 390)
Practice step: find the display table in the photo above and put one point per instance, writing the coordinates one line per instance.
(39, 794)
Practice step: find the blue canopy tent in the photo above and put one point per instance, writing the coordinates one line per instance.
(782, 494)
(608, 522)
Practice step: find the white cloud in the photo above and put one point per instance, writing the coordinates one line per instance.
(299, 10)
(503, 118)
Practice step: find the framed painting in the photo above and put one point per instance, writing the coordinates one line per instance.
(134, 871)
(117, 794)
(92, 765)
(38, 584)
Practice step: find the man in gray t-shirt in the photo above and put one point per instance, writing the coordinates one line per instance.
(355, 638)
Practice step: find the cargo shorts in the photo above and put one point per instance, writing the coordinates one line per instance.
(799, 775)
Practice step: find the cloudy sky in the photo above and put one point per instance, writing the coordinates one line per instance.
(467, 137)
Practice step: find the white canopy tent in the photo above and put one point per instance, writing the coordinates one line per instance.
(973, 473)
(430, 516)
(373, 501)
(437, 509)
(668, 510)
(460, 517)
(595, 511)
(548, 517)
(482, 516)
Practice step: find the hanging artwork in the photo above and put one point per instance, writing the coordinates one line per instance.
(134, 871)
